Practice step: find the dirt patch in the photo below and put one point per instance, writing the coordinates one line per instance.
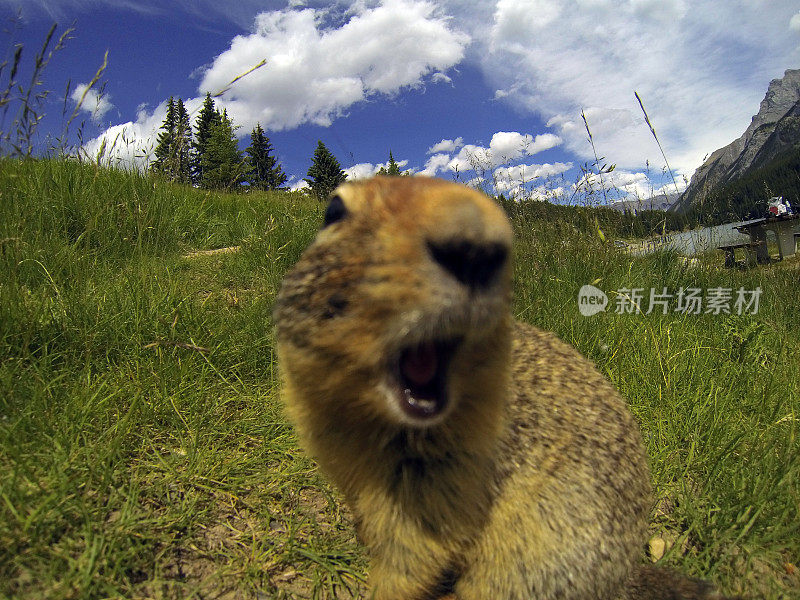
(243, 552)
(197, 253)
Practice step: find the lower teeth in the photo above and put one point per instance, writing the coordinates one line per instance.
(426, 405)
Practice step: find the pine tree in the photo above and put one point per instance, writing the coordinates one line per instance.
(165, 142)
(182, 144)
(325, 172)
(173, 144)
(392, 169)
(206, 119)
(265, 172)
(223, 166)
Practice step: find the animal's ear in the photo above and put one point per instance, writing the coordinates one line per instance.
(336, 211)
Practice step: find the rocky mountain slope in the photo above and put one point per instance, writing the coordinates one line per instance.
(774, 130)
(661, 202)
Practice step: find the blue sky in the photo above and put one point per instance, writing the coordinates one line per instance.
(444, 85)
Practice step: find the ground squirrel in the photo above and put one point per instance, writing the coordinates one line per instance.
(483, 458)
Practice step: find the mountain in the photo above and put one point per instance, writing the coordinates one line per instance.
(774, 131)
(660, 202)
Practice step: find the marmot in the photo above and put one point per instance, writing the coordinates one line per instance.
(483, 458)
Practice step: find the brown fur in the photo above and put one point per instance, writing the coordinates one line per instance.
(534, 481)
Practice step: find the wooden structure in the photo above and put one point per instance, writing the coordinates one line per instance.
(784, 227)
(751, 250)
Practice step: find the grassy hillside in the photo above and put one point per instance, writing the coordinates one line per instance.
(143, 451)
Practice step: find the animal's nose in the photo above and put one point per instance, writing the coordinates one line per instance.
(473, 264)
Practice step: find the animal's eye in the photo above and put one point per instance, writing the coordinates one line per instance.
(336, 211)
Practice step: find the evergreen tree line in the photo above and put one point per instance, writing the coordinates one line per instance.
(613, 223)
(211, 157)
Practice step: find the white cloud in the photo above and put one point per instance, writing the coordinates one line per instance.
(543, 192)
(364, 170)
(701, 69)
(94, 103)
(670, 188)
(436, 164)
(511, 145)
(512, 180)
(527, 173)
(131, 144)
(313, 73)
(446, 146)
(624, 179)
(127, 145)
(360, 171)
(301, 184)
(491, 168)
(470, 158)
(794, 22)
(625, 184)
(517, 19)
(505, 147)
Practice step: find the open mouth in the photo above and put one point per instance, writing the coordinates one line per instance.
(422, 376)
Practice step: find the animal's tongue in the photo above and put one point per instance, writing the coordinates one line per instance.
(419, 364)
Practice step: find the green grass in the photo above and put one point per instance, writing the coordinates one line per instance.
(143, 451)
